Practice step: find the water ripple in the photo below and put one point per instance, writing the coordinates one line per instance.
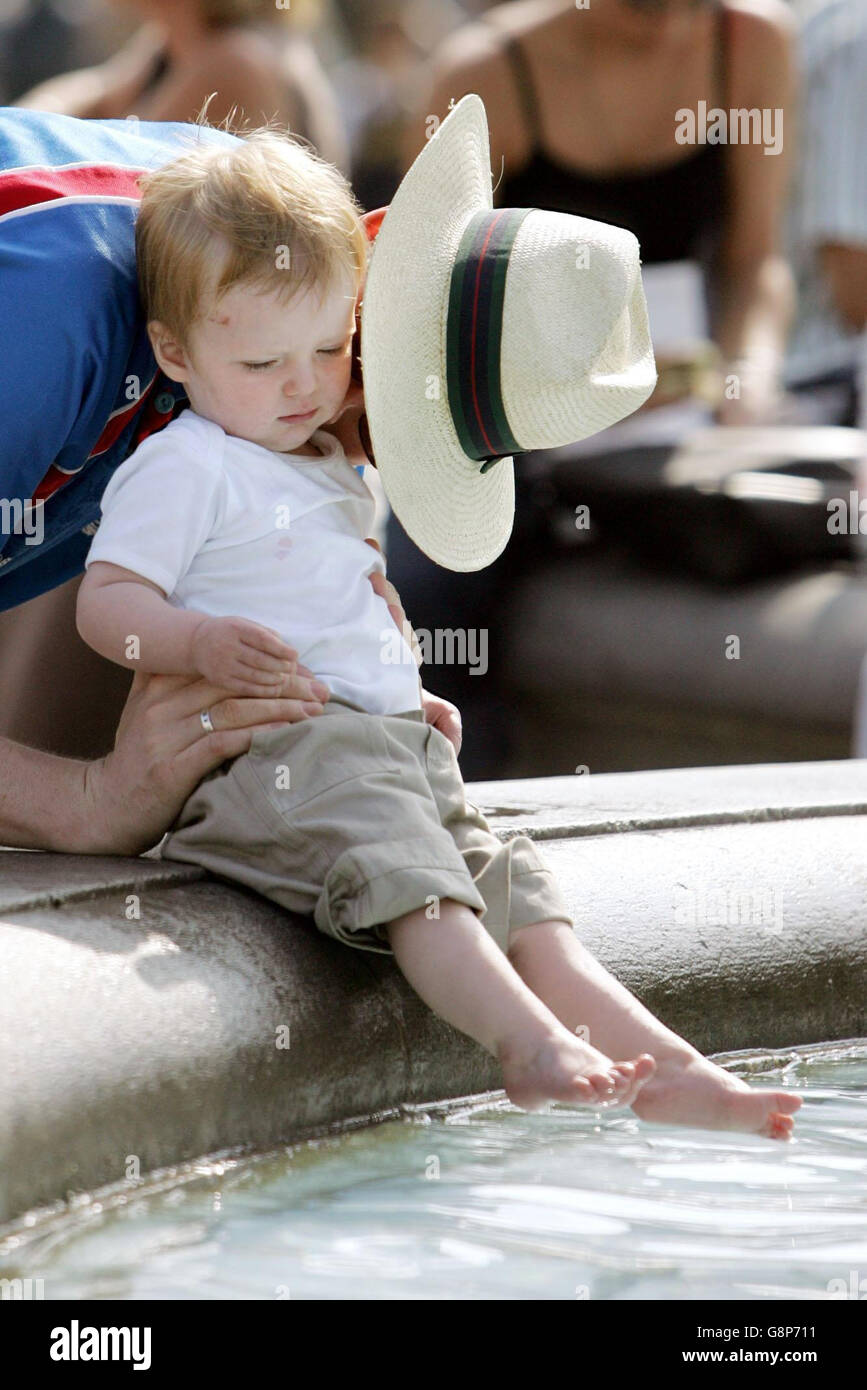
(496, 1203)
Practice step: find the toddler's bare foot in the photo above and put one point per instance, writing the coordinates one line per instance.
(690, 1090)
(561, 1067)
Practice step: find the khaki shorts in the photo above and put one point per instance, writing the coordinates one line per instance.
(357, 818)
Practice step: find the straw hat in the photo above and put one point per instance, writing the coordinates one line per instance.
(485, 334)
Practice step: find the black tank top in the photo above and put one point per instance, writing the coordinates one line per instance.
(158, 72)
(675, 209)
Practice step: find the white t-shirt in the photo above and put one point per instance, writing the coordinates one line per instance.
(232, 529)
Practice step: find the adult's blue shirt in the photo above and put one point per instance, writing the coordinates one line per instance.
(79, 385)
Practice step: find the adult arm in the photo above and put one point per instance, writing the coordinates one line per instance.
(72, 94)
(105, 90)
(756, 288)
(42, 799)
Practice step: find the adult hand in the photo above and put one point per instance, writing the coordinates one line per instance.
(162, 752)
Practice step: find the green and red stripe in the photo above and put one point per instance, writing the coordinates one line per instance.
(474, 335)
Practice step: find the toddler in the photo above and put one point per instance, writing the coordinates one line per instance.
(241, 527)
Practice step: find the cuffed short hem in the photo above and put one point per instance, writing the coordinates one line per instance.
(519, 889)
(365, 889)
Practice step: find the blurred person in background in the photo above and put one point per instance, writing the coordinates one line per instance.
(584, 108)
(252, 53)
(40, 38)
(827, 360)
(377, 83)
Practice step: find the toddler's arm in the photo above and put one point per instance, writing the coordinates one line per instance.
(127, 619)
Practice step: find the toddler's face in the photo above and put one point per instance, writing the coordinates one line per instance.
(254, 362)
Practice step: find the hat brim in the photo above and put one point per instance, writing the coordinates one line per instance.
(458, 516)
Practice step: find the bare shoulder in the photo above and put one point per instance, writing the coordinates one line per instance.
(769, 24)
(243, 48)
(473, 59)
(252, 57)
(764, 36)
(245, 71)
(480, 42)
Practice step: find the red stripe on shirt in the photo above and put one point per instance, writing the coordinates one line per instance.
(23, 188)
(55, 478)
(119, 421)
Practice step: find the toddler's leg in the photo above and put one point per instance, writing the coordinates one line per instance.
(686, 1088)
(460, 973)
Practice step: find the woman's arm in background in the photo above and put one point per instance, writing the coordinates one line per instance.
(105, 90)
(756, 296)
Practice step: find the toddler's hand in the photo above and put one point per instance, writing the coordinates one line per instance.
(444, 716)
(242, 656)
(386, 590)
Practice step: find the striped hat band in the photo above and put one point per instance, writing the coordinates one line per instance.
(474, 334)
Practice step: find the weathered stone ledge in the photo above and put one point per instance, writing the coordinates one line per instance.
(733, 901)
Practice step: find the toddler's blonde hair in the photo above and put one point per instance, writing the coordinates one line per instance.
(267, 212)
